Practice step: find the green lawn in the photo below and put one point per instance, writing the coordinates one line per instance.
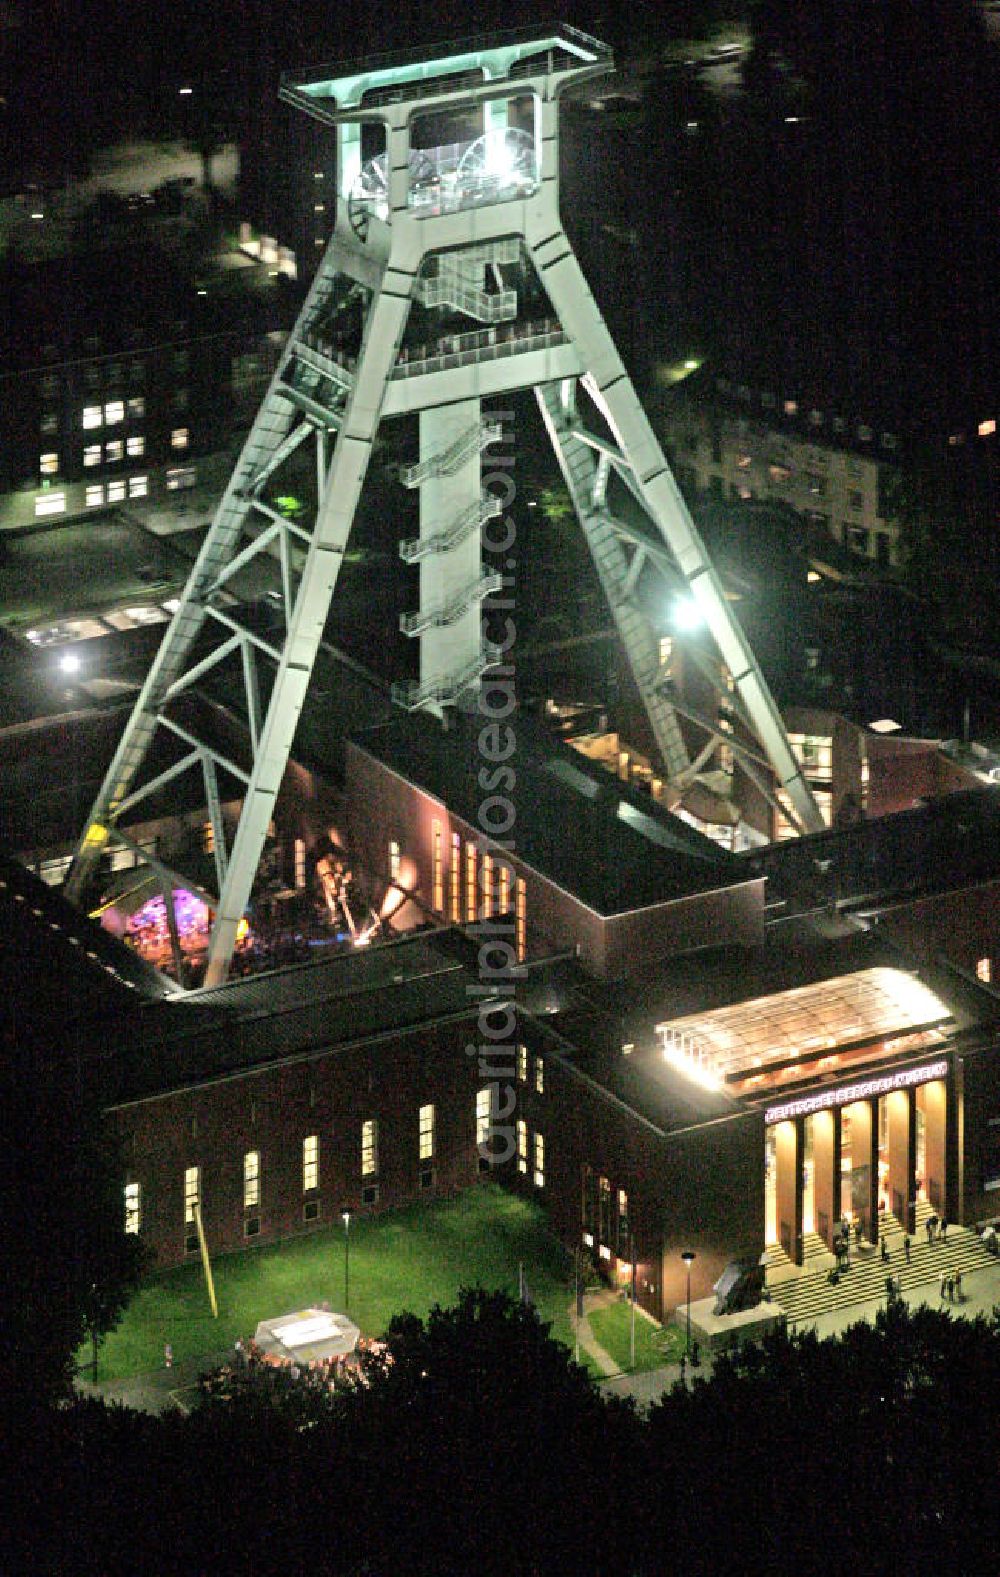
(410, 1259)
(654, 1345)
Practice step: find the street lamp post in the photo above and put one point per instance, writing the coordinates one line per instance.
(346, 1215)
(688, 1257)
(631, 1272)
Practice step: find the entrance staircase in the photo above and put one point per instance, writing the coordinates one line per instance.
(805, 1292)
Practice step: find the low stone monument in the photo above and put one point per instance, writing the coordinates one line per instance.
(738, 1313)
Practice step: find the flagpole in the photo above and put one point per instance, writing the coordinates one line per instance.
(576, 1302)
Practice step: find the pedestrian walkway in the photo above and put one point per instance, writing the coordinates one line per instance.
(161, 1391)
(585, 1336)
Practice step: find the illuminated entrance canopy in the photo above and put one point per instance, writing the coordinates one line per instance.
(863, 1091)
(808, 1024)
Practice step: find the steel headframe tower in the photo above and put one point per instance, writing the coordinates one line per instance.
(456, 227)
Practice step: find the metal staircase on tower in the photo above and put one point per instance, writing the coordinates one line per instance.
(419, 309)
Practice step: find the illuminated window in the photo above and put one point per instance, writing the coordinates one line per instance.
(133, 1207)
(814, 753)
(743, 462)
(50, 504)
(136, 445)
(522, 1147)
(92, 454)
(114, 450)
(539, 1161)
(92, 416)
(136, 407)
(505, 889)
(426, 1133)
(310, 1163)
(393, 860)
(192, 1192)
(251, 1180)
(114, 412)
(470, 882)
(181, 476)
(455, 880)
(138, 486)
(483, 1111)
(48, 464)
(623, 1226)
(521, 918)
(522, 1064)
(539, 1075)
(49, 422)
(984, 970)
(180, 438)
(116, 492)
(437, 872)
(487, 885)
(791, 407)
(300, 863)
(369, 1147)
(207, 838)
(95, 494)
(988, 428)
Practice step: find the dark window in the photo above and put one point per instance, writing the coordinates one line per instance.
(991, 1156)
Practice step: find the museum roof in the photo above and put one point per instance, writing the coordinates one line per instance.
(605, 842)
(861, 988)
(61, 971)
(949, 842)
(336, 1001)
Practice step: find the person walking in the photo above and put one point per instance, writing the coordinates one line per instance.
(958, 1287)
(168, 1356)
(943, 1230)
(929, 1228)
(944, 1284)
(906, 1246)
(885, 1250)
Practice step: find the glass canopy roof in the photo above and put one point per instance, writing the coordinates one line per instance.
(802, 1023)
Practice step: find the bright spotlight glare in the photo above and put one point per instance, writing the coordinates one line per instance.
(69, 662)
(687, 614)
(499, 156)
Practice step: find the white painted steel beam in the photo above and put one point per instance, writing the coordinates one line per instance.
(468, 239)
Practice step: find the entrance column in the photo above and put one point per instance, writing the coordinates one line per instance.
(826, 1172)
(789, 1150)
(864, 1166)
(901, 1154)
(932, 1099)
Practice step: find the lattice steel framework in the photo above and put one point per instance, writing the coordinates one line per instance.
(454, 227)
